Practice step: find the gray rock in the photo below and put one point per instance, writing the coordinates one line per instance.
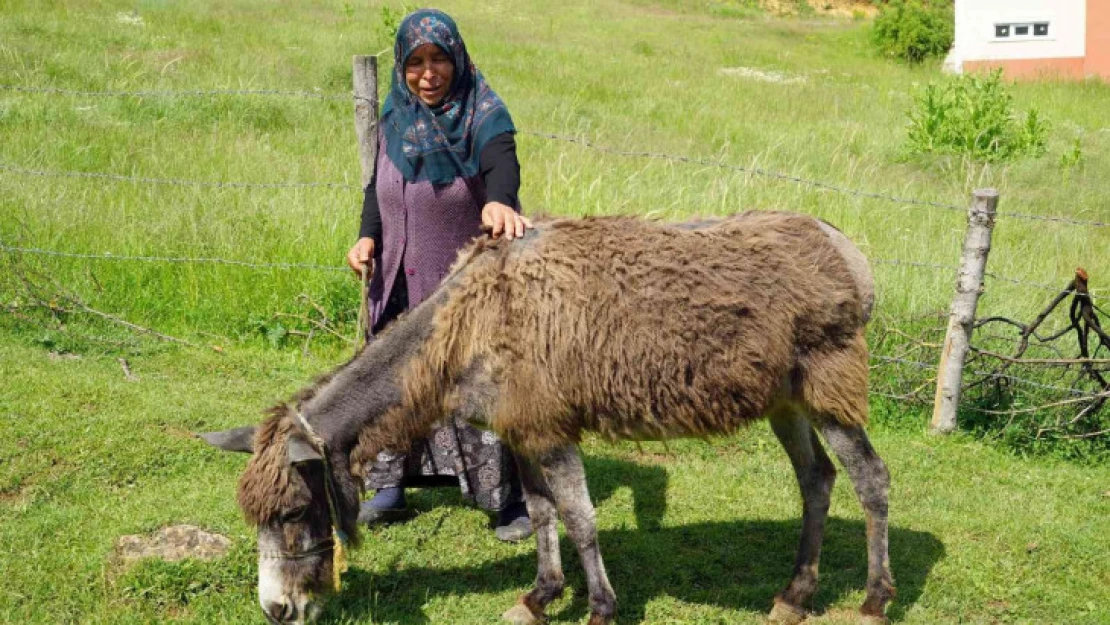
(173, 543)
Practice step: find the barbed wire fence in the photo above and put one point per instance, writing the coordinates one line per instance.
(908, 363)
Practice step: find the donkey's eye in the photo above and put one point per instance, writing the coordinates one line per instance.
(294, 515)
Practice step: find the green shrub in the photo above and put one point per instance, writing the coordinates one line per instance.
(973, 116)
(914, 30)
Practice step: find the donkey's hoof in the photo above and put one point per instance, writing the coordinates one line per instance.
(871, 619)
(519, 614)
(786, 614)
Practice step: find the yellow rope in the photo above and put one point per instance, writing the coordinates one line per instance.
(338, 561)
(339, 538)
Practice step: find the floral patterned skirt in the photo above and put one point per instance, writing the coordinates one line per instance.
(483, 465)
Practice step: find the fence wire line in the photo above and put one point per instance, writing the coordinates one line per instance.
(185, 93)
(758, 171)
(584, 142)
(1064, 220)
(177, 181)
(1094, 293)
(577, 140)
(804, 181)
(226, 261)
(993, 375)
(171, 259)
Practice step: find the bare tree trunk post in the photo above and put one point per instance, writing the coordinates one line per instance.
(969, 284)
(365, 76)
(366, 113)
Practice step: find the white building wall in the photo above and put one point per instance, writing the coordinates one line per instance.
(975, 32)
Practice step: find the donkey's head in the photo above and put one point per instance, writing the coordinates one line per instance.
(286, 492)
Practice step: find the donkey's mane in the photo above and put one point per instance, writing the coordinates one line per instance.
(269, 484)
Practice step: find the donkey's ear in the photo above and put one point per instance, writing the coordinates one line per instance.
(238, 439)
(299, 450)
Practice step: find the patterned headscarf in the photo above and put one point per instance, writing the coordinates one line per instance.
(442, 143)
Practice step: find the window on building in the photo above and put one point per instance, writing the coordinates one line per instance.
(1021, 31)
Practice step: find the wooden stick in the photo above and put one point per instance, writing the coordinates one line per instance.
(131, 377)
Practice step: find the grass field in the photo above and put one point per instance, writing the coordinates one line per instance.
(979, 535)
(705, 536)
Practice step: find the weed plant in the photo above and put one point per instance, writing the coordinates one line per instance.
(972, 115)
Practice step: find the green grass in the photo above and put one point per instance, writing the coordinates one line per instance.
(639, 76)
(704, 536)
(980, 535)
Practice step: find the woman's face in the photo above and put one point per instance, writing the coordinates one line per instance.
(428, 73)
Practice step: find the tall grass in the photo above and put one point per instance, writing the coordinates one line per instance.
(648, 80)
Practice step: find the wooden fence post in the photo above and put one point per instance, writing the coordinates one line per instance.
(366, 113)
(969, 284)
(365, 77)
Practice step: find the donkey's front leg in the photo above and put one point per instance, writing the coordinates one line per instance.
(549, 570)
(567, 479)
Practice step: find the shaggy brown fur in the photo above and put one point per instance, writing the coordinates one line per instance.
(639, 330)
(270, 485)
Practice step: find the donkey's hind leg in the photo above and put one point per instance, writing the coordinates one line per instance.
(872, 483)
(566, 477)
(816, 474)
(549, 572)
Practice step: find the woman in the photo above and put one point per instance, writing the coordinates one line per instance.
(446, 166)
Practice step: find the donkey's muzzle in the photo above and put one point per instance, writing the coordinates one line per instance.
(280, 612)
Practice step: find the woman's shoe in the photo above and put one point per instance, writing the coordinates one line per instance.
(387, 506)
(513, 523)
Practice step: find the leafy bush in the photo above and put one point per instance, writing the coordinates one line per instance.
(973, 116)
(914, 30)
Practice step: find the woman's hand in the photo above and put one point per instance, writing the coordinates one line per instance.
(360, 254)
(504, 220)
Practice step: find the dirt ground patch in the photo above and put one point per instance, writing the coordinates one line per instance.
(840, 8)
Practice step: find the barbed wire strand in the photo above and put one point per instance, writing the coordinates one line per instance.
(804, 181)
(1095, 293)
(177, 181)
(226, 261)
(1065, 220)
(993, 375)
(170, 259)
(179, 93)
(579, 141)
(576, 140)
(758, 171)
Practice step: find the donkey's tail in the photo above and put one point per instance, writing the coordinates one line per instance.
(834, 381)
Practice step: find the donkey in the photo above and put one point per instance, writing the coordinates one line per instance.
(628, 328)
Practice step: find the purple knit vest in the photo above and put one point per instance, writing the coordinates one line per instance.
(424, 226)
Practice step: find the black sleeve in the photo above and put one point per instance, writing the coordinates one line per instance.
(500, 170)
(371, 216)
